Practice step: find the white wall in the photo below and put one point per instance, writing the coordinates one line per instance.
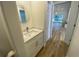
(35, 12)
(73, 50)
(27, 7)
(38, 14)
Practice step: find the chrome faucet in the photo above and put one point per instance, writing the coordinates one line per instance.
(27, 29)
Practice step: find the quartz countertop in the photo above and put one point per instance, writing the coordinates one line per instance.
(31, 34)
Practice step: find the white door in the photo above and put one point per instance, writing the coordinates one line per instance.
(5, 45)
(71, 21)
(10, 29)
(73, 50)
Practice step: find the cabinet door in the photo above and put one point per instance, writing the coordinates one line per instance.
(39, 43)
(30, 47)
(34, 45)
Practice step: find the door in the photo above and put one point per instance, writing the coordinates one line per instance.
(5, 45)
(73, 50)
(71, 21)
(59, 18)
(11, 28)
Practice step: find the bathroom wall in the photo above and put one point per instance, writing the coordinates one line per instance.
(35, 13)
(27, 8)
(38, 13)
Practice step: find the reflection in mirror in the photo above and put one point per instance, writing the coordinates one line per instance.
(22, 15)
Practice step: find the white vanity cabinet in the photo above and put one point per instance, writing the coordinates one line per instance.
(33, 46)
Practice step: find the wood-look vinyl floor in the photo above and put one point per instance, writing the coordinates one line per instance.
(54, 47)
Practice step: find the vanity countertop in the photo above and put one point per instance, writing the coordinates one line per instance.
(32, 33)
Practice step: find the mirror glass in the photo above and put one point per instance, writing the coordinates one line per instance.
(23, 17)
(22, 12)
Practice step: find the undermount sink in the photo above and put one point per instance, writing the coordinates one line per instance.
(30, 34)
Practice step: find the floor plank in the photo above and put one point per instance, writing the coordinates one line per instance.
(54, 47)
